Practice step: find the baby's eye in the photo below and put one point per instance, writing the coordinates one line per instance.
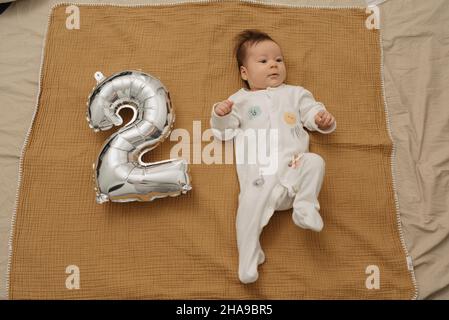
(263, 61)
(279, 60)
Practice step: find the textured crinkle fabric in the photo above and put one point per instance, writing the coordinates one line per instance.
(185, 247)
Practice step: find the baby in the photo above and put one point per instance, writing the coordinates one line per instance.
(268, 103)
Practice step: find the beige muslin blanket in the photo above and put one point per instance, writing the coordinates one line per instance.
(185, 247)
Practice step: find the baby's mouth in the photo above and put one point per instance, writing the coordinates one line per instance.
(273, 74)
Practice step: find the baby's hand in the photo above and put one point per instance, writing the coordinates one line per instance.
(224, 107)
(324, 120)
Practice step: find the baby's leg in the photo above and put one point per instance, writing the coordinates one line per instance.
(305, 205)
(256, 206)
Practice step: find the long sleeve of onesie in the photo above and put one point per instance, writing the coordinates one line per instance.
(225, 127)
(308, 108)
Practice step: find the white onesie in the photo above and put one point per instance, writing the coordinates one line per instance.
(281, 111)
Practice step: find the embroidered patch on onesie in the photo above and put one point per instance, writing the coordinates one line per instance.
(254, 112)
(290, 119)
(294, 162)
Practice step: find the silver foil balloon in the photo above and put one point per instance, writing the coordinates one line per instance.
(119, 173)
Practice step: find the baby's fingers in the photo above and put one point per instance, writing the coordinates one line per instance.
(221, 110)
(224, 108)
(322, 116)
(321, 113)
(227, 106)
(329, 121)
(229, 103)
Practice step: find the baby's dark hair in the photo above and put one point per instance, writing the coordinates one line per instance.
(244, 40)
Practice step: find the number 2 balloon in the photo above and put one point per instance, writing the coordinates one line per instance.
(119, 173)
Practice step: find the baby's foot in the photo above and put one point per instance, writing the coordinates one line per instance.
(261, 257)
(248, 277)
(309, 219)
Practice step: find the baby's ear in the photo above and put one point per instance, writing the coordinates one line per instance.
(243, 73)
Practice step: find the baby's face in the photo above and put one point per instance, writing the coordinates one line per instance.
(264, 66)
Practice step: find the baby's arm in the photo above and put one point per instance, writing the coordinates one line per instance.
(309, 108)
(224, 120)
